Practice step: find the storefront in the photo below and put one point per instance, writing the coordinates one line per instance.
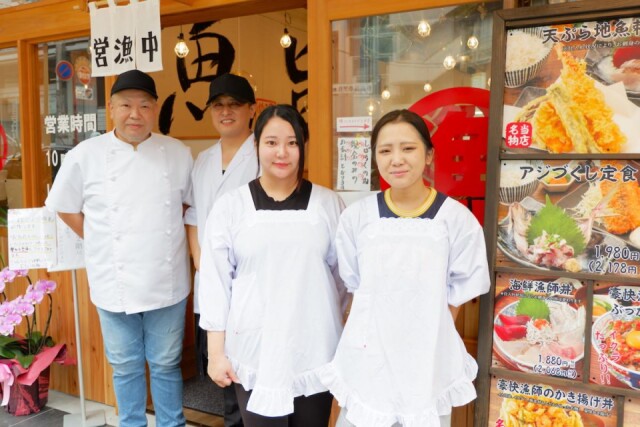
(352, 62)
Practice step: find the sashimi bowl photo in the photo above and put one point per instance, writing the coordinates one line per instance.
(543, 336)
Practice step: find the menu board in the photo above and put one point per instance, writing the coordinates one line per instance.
(573, 88)
(563, 317)
(577, 216)
(615, 335)
(539, 325)
(522, 403)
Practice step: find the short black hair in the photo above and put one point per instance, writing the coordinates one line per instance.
(402, 116)
(294, 118)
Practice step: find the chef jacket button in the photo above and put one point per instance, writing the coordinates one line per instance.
(168, 232)
(167, 202)
(161, 148)
(166, 174)
(169, 259)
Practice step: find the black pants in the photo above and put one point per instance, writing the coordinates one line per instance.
(232, 417)
(308, 411)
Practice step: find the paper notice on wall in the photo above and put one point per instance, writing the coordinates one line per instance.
(32, 238)
(39, 239)
(354, 164)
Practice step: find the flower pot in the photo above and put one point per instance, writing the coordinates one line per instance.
(28, 399)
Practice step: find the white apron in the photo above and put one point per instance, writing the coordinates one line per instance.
(400, 358)
(284, 320)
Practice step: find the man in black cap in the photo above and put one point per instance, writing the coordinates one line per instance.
(229, 163)
(124, 192)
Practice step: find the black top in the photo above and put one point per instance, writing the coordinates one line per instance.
(298, 200)
(430, 213)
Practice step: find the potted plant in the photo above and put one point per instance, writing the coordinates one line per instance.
(25, 360)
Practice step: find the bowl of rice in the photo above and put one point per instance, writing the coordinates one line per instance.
(526, 53)
(515, 184)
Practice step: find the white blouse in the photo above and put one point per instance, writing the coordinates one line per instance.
(268, 278)
(400, 358)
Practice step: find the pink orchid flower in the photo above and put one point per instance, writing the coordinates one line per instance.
(14, 319)
(6, 328)
(46, 286)
(7, 308)
(21, 273)
(33, 295)
(24, 307)
(7, 276)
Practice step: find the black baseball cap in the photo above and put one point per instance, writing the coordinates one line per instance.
(135, 79)
(234, 86)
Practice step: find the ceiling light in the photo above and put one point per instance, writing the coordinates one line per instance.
(424, 29)
(285, 40)
(449, 62)
(473, 42)
(181, 49)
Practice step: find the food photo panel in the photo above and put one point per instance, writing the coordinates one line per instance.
(615, 336)
(539, 325)
(517, 403)
(573, 88)
(570, 216)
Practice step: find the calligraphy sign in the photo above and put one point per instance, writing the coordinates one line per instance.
(125, 37)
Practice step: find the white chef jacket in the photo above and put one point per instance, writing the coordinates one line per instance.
(132, 199)
(267, 279)
(209, 183)
(400, 358)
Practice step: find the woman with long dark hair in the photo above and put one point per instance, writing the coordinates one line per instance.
(269, 292)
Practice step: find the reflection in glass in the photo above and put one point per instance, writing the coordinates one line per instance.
(387, 62)
(73, 104)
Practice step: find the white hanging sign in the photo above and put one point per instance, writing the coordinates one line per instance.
(125, 37)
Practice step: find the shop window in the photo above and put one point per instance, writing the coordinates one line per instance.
(10, 142)
(73, 104)
(387, 62)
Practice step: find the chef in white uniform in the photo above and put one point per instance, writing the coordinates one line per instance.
(229, 163)
(411, 256)
(125, 192)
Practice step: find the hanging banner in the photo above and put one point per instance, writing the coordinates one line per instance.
(125, 38)
(148, 38)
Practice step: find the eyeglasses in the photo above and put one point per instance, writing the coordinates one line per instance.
(221, 106)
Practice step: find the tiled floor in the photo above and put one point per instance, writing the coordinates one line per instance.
(61, 404)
